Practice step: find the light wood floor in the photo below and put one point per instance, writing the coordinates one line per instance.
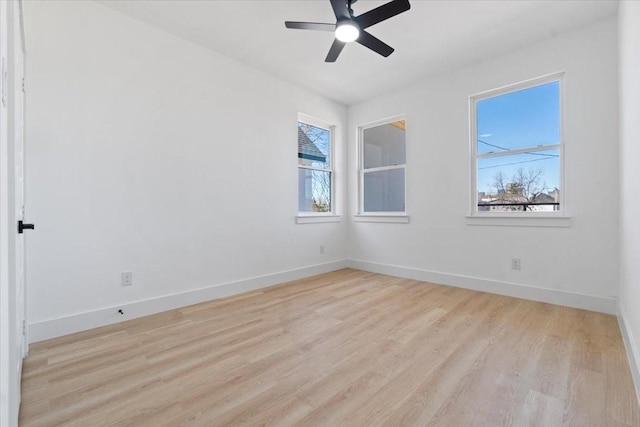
(348, 348)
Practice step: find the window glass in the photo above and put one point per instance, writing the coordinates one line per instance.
(384, 191)
(314, 146)
(384, 145)
(524, 118)
(518, 149)
(383, 154)
(314, 190)
(315, 173)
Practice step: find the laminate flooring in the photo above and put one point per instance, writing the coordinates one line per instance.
(348, 348)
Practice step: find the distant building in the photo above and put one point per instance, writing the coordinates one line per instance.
(507, 202)
(308, 152)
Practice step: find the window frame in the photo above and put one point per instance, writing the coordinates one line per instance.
(310, 217)
(379, 216)
(474, 156)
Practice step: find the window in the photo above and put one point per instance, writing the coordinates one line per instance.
(516, 140)
(315, 170)
(382, 167)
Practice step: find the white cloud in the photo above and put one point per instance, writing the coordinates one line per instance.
(485, 135)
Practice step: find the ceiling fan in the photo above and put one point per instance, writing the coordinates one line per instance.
(349, 28)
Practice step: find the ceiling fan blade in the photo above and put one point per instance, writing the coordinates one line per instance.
(340, 9)
(382, 13)
(319, 26)
(335, 50)
(374, 44)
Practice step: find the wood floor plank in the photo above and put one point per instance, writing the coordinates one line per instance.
(345, 348)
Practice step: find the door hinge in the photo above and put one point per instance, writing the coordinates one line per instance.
(24, 86)
(24, 327)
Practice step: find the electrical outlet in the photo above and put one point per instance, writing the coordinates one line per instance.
(321, 249)
(127, 278)
(515, 263)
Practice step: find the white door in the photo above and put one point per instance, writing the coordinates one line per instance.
(12, 278)
(6, 354)
(19, 115)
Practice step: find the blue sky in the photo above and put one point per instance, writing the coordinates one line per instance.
(526, 118)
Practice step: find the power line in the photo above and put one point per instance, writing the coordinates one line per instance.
(526, 152)
(493, 145)
(514, 163)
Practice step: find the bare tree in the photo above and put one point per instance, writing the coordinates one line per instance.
(498, 183)
(528, 182)
(525, 187)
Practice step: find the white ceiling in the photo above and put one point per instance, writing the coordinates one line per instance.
(432, 37)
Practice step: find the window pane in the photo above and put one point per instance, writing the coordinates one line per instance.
(314, 146)
(527, 181)
(314, 190)
(384, 145)
(384, 191)
(525, 118)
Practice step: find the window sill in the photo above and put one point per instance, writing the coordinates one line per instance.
(535, 220)
(316, 219)
(400, 219)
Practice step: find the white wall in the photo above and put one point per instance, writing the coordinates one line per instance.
(150, 154)
(629, 41)
(575, 266)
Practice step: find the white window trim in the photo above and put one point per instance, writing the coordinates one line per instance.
(320, 217)
(382, 217)
(317, 219)
(559, 218)
(362, 215)
(543, 219)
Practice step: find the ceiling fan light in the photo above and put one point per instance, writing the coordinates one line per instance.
(347, 32)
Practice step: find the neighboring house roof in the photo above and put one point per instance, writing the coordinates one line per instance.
(544, 198)
(308, 150)
(508, 198)
(513, 198)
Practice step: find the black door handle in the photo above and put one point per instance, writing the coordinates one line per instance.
(22, 226)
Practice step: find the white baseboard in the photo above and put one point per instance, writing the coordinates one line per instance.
(551, 296)
(52, 328)
(630, 345)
